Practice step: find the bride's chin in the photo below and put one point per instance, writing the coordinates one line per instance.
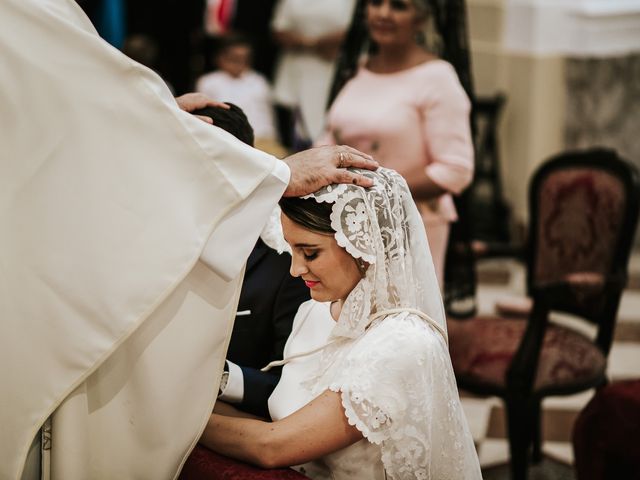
(320, 296)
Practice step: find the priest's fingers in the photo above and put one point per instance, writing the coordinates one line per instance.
(314, 168)
(345, 176)
(194, 101)
(205, 119)
(350, 157)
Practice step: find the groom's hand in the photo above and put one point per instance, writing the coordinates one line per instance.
(314, 168)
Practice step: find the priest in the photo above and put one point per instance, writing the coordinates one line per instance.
(125, 223)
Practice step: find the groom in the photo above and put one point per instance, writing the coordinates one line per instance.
(126, 223)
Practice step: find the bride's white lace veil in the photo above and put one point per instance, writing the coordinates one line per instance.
(397, 384)
(382, 227)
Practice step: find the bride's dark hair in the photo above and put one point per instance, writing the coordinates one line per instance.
(308, 213)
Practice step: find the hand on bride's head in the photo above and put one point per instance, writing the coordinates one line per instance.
(190, 102)
(317, 167)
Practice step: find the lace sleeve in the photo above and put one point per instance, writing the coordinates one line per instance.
(398, 389)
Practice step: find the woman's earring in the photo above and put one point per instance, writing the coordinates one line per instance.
(362, 267)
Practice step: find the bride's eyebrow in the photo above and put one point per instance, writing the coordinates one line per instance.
(306, 245)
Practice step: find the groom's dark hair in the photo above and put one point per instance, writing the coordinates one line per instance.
(232, 120)
(305, 212)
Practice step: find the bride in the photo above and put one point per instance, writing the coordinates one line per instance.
(371, 394)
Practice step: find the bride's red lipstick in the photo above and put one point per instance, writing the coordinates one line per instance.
(310, 284)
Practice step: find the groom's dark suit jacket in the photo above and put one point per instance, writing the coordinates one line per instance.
(272, 297)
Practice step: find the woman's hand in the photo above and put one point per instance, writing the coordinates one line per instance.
(294, 41)
(422, 187)
(314, 168)
(326, 46)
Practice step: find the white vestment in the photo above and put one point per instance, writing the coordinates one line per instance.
(124, 227)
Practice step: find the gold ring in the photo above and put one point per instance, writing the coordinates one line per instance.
(342, 162)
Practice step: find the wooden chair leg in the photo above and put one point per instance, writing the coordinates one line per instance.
(536, 426)
(518, 424)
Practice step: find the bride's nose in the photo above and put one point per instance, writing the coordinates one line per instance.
(298, 265)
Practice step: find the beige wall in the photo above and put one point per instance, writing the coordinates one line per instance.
(532, 125)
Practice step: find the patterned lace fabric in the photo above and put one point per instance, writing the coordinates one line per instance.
(407, 403)
(272, 235)
(394, 373)
(382, 227)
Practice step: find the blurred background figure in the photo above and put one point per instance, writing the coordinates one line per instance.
(310, 33)
(143, 49)
(109, 18)
(176, 27)
(252, 18)
(405, 106)
(236, 82)
(218, 16)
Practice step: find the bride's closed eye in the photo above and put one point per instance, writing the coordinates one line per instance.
(310, 255)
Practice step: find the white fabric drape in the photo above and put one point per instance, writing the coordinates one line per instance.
(108, 194)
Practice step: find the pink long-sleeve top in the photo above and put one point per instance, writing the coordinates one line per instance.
(407, 119)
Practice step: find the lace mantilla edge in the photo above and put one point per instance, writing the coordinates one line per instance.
(408, 462)
(409, 407)
(272, 234)
(350, 218)
(378, 417)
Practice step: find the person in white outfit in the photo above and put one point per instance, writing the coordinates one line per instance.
(126, 223)
(367, 389)
(236, 82)
(310, 33)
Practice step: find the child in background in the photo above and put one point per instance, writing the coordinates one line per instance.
(234, 81)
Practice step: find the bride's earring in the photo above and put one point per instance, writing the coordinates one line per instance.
(362, 266)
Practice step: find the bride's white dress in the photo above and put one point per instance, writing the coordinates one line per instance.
(387, 353)
(311, 328)
(394, 351)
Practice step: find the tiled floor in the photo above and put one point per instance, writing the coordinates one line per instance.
(501, 279)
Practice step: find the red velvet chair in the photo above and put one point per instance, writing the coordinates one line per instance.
(203, 464)
(606, 435)
(583, 214)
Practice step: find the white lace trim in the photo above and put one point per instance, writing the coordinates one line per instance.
(367, 411)
(410, 409)
(381, 225)
(272, 234)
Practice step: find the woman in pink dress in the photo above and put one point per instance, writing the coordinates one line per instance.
(407, 108)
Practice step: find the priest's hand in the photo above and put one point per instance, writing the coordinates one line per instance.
(190, 102)
(314, 168)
